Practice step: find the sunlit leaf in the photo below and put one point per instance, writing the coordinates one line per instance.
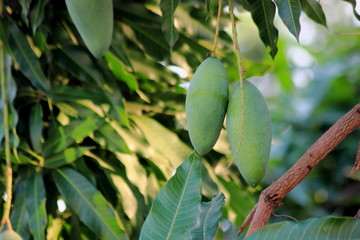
(67, 156)
(263, 13)
(176, 208)
(314, 228)
(88, 203)
(168, 8)
(35, 126)
(313, 9)
(209, 218)
(289, 11)
(35, 205)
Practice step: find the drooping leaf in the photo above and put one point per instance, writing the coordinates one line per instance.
(176, 208)
(209, 218)
(35, 126)
(35, 205)
(210, 7)
(313, 9)
(168, 8)
(27, 60)
(263, 13)
(67, 156)
(37, 14)
(289, 11)
(353, 3)
(314, 228)
(88, 203)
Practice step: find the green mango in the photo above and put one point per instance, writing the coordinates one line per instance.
(9, 235)
(251, 155)
(94, 21)
(206, 103)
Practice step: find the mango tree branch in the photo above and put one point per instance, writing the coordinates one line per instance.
(271, 197)
(357, 162)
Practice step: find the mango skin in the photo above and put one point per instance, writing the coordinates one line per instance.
(206, 103)
(254, 150)
(94, 21)
(9, 235)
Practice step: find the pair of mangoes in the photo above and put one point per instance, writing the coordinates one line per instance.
(248, 123)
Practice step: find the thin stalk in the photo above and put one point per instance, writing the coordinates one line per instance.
(241, 70)
(8, 170)
(217, 28)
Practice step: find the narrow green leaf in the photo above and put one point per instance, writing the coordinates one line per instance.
(176, 208)
(71, 94)
(19, 216)
(27, 60)
(315, 228)
(263, 13)
(353, 3)
(313, 9)
(35, 205)
(88, 203)
(211, 6)
(168, 8)
(37, 14)
(210, 215)
(25, 7)
(67, 156)
(289, 11)
(35, 126)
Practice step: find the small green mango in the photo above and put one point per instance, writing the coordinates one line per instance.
(94, 21)
(9, 235)
(206, 103)
(252, 154)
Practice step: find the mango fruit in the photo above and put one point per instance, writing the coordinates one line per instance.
(9, 235)
(94, 21)
(206, 103)
(249, 140)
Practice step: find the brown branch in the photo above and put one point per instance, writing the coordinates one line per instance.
(357, 162)
(270, 198)
(247, 220)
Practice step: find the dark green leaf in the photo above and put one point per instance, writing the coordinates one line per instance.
(168, 8)
(69, 155)
(263, 13)
(25, 7)
(210, 215)
(27, 60)
(37, 14)
(315, 228)
(35, 126)
(353, 3)
(71, 94)
(176, 208)
(289, 11)
(35, 205)
(85, 200)
(313, 9)
(210, 7)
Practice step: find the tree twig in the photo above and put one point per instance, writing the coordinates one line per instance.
(212, 53)
(357, 162)
(270, 198)
(247, 220)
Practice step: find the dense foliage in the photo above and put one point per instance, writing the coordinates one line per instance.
(93, 140)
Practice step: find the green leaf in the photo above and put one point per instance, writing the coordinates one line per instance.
(37, 14)
(210, 7)
(176, 208)
(35, 205)
(25, 7)
(27, 60)
(353, 3)
(313, 9)
(289, 11)
(67, 156)
(168, 8)
(88, 203)
(314, 228)
(35, 126)
(210, 215)
(263, 13)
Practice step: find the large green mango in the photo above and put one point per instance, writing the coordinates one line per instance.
(9, 235)
(94, 21)
(252, 153)
(206, 103)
